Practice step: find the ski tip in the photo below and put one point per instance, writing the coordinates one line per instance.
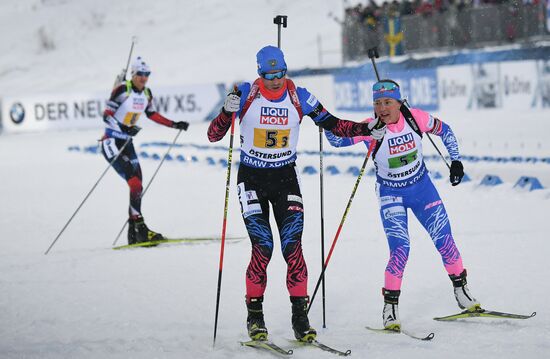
(533, 314)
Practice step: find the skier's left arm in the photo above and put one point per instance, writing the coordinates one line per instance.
(430, 124)
(342, 128)
(152, 114)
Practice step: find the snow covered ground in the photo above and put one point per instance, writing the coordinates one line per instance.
(84, 300)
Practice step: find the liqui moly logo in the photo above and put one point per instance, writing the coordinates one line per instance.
(401, 144)
(138, 103)
(274, 116)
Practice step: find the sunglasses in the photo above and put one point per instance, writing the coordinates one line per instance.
(142, 73)
(276, 75)
(385, 86)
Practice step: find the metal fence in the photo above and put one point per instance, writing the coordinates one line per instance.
(489, 25)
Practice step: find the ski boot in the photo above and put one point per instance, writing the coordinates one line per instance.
(462, 294)
(302, 330)
(255, 319)
(132, 231)
(390, 313)
(142, 233)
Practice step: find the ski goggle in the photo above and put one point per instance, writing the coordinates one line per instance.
(384, 86)
(275, 75)
(143, 73)
(385, 89)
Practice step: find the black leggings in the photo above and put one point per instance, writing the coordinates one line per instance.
(280, 187)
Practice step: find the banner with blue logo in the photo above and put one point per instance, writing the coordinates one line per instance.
(353, 91)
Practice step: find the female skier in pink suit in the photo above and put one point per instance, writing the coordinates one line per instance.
(403, 183)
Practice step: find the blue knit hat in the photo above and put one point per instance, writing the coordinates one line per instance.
(270, 58)
(386, 88)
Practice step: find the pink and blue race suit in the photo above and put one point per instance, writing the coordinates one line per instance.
(403, 183)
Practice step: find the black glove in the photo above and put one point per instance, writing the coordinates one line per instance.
(130, 130)
(457, 172)
(181, 125)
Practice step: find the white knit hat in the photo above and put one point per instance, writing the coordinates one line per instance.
(139, 65)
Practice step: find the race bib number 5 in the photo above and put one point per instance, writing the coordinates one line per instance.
(271, 138)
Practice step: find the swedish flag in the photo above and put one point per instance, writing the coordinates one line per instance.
(393, 35)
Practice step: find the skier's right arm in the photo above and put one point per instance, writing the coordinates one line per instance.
(221, 124)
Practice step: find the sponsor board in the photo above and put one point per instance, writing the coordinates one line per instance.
(66, 111)
(518, 83)
(455, 86)
(353, 92)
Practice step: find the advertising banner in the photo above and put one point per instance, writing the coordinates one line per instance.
(353, 92)
(65, 111)
(541, 95)
(519, 80)
(455, 86)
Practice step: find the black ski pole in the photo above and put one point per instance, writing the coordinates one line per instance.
(348, 206)
(150, 181)
(88, 195)
(279, 20)
(372, 53)
(321, 190)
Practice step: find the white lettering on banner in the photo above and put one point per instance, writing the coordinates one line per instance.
(515, 85)
(84, 111)
(422, 89)
(452, 88)
(364, 93)
(176, 103)
(519, 84)
(455, 84)
(87, 109)
(343, 94)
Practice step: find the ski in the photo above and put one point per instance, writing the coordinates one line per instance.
(483, 313)
(428, 337)
(315, 343)
(149, 244)
(268, 346)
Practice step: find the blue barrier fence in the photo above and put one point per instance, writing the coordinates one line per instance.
(489, 180)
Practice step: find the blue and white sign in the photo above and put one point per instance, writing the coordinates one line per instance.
(353, 92)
